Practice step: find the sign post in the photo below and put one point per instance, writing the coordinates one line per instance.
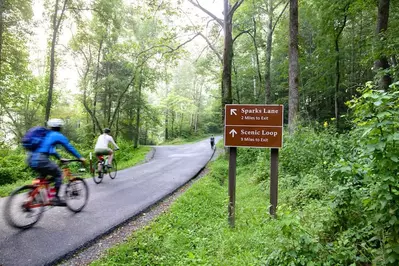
(232, 185)
(255, 126)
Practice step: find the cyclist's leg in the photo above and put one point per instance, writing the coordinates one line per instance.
(110, 156)
(50, 168)
(46, 167)
(98, 153)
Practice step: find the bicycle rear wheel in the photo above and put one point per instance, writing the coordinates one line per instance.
(76, 194)
(19, 211)
(98, 176)
(112, 171)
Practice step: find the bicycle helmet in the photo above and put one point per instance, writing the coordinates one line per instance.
(55, 123)
(107, 130)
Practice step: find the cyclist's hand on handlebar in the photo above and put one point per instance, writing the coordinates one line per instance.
(83, 160)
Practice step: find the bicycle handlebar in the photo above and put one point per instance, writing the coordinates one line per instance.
(66, 161)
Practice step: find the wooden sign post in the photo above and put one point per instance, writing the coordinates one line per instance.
(255, 126)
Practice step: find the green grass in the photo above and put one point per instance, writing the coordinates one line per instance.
(196, 232)
(189, 139)
(125, 158)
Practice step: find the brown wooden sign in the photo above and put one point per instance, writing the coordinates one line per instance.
(255, 115)
(253, 136)
(258, 126)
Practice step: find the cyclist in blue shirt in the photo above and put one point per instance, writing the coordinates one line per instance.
(39, 159)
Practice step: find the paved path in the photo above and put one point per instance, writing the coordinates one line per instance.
(112, 202)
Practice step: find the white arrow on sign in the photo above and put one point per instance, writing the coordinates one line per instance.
(233, 111)
(233, 132)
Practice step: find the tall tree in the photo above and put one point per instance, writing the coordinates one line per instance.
(270, 8)
(338, 31)
(227, 25)
(56, 23)
(382, 25)
(293, 106)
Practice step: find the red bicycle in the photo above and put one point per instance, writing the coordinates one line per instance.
(25, 205)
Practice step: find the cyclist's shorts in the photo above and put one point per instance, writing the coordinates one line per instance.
(102, 152)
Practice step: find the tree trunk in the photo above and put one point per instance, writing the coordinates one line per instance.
(166, 124)
(117, 127)
(181, 124)
(256, 92)
(382, 25)
(227, 97)
(236, 82)
(269, 40)
(293, 68)
(130, 124)
(95, 84)
(228, 13)
(196, 122)
(1, 32)
(337, 66)
(136, 138)
(56, 26)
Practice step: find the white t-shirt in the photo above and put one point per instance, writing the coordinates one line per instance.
(103, 141)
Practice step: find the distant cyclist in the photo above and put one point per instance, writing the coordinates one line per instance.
(39, 159)
(102, 148)
(212, 141)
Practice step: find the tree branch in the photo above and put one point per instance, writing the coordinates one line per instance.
(279, 3)
(234, 8)
(181, 45)
(241, 33)
(196, 4)
(278, 18)
(212, 47)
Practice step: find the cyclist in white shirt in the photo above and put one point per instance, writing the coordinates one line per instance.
(101, 147)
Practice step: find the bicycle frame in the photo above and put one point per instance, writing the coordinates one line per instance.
(42, 187)
(40, 194)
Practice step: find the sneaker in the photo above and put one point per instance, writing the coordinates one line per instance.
(56, 201)
(109, 166)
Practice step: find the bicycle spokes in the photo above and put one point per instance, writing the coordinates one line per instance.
(21, 210)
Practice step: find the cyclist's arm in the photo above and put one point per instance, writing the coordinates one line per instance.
(68, 146)
(113, 143)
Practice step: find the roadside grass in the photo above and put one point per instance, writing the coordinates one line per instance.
(189, 139)
(132, 157)
(195, 231)
(126, 158)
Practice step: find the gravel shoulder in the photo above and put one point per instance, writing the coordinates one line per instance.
(97, 248)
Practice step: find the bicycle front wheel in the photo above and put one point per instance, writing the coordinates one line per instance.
(98, 176)
(112, 171)
(21, 210)
(76, 194)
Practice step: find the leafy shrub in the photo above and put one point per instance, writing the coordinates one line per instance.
(10, 175)
(376, 116)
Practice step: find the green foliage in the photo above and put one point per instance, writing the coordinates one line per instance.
(13, 168)
(376, 114)
(337, 202)
(14, 172)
